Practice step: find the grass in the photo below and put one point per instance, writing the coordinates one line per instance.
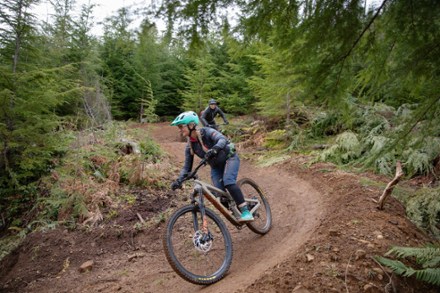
(8, 244)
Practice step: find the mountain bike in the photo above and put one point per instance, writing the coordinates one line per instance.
(197, 242)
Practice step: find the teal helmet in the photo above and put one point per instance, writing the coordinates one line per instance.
(186, 118)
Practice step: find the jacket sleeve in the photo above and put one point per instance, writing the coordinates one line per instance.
(222, 115)
(203, 118)
(215, 138)
(187, 166)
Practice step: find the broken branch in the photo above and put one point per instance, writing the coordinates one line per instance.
(387, 191)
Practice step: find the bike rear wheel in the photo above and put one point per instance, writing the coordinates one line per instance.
(262, 216)
(188, 261)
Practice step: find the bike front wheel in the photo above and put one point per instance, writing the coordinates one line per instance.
(198, 256)
(262, 215)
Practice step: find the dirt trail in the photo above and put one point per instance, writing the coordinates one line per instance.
(296, 209)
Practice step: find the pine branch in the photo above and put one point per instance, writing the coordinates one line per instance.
(364, 30)
(345, 56)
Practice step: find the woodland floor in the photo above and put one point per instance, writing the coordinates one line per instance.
(326, 229)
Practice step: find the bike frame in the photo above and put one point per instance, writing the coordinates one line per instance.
(204, 190)
(178, 249)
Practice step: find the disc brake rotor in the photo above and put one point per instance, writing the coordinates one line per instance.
(203, 241)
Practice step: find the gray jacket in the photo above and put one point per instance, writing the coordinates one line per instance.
(209, 115)
(210, 138)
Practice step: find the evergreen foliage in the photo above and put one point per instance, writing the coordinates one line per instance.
(161, 64)
(147, 105)
(201, 83)
(119, 71)
(348, 57)
(275, 86)
(30, 96)
(232, 69)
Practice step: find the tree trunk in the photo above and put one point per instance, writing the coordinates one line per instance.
(288, 108)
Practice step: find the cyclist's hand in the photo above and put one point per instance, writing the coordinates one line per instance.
(176, 185)
(227, 122)
(211, 153)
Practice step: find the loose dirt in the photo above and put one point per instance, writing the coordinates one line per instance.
(326, 231)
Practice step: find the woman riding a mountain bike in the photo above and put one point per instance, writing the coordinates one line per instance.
(221, 156)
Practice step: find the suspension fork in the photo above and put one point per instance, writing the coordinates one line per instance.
(198, 198)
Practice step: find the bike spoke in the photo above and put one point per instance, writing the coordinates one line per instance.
(198, 262)
(258, 205)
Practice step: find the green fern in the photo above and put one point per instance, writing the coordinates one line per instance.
(348, 141)
(325, 124)
(423, 208)
(418, 162)
(376, 142)
(371, 119)
(346, 148)
(427, 257)
(420, 153)
(385, 164)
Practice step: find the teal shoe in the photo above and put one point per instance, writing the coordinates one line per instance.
(246, 216)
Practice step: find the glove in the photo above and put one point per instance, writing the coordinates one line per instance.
(227, 122)
(211, 153)
(176, 184)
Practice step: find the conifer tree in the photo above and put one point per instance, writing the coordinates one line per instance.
(31, 92)
(117, 51)
(200, 84)
(84, 55)
(231, 72)
(156, 62)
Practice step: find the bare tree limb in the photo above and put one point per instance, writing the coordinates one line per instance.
(345, 56)
(140, 218)
(387, 191)
(364, 30)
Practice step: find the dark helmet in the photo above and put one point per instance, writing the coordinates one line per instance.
(213, 102)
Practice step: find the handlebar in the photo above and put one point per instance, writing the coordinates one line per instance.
(193, 174)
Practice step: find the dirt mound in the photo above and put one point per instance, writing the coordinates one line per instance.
(339, 257)
(326, 230)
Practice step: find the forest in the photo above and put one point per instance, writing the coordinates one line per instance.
(344, 82)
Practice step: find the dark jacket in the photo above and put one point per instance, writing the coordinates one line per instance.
(210, 138)
(209, 115)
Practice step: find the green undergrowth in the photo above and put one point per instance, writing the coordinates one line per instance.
(8, 244)
(92, 181)
(368, 146)
(95, 175)
(272, 159)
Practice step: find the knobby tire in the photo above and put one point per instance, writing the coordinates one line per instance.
(189, 263)
(263, 216)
